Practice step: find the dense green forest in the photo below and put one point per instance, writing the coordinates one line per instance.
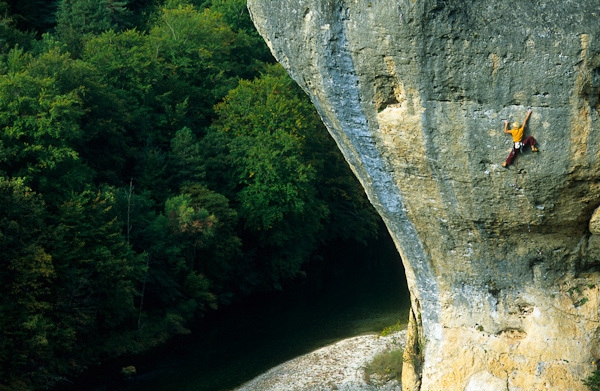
(155, 164)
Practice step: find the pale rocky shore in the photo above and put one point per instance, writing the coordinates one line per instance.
(339, 366)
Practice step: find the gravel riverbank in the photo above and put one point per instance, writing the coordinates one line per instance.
(339, 366)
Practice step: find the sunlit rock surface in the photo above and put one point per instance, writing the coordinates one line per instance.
(502, 263)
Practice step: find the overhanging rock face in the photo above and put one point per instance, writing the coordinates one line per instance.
(502, 264)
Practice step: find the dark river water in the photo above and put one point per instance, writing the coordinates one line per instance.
(364, 292)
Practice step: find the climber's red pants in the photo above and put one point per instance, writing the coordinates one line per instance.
(527, 141)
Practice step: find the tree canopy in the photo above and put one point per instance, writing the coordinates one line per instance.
(155, 164)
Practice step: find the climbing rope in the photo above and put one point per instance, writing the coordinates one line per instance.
(517, 173)
(516, 185)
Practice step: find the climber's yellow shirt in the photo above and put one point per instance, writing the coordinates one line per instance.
(517, 134)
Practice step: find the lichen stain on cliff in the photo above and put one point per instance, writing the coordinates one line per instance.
(400, 125)
(585, 103)
(495, 58)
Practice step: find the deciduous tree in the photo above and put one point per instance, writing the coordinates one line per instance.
(28, 332)
(76, 20)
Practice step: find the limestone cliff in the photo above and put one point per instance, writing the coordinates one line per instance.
(502, 263)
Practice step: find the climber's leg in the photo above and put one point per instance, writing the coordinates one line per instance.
(530, 141)
(510, 157)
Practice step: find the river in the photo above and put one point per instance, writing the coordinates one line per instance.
(364, 292)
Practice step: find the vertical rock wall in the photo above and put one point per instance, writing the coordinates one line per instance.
(501, 263)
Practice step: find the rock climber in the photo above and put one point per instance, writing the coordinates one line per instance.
(517, 132)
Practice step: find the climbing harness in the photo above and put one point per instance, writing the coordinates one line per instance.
(519, 146)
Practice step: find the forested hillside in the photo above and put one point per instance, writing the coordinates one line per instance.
(155, 164)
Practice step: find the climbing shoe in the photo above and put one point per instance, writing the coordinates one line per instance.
(534, 149)
(504, 164)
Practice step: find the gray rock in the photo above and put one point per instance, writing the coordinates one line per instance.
(501, 264)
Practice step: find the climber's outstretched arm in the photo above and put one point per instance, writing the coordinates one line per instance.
(527, 117)
(506, 126)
